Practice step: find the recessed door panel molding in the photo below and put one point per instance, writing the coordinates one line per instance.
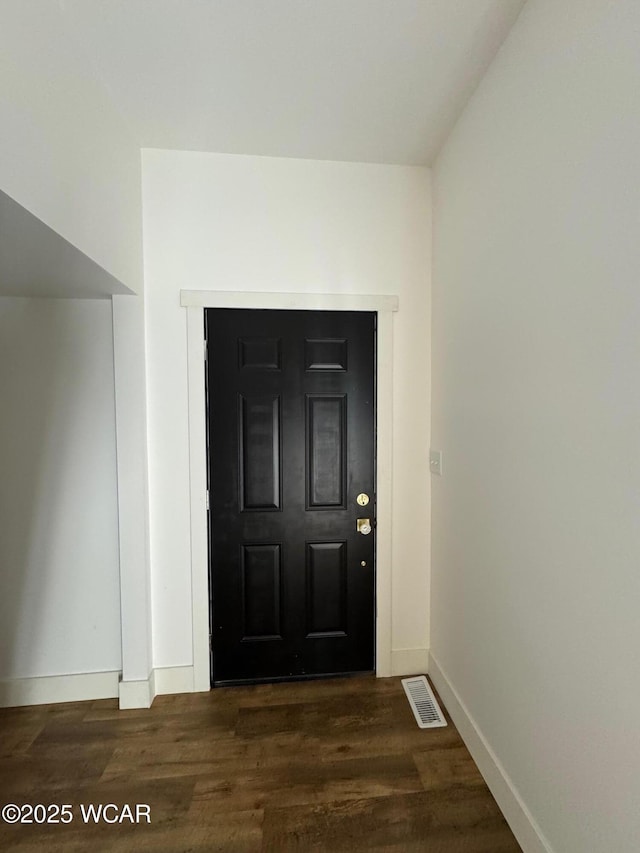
(260, 353)
(260, 453)
(326, 428)
(325, 354)
(326, 575)
(261, 592)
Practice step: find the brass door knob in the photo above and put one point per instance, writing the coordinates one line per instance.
(363, 525)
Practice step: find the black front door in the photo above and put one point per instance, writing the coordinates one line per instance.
(291, 415)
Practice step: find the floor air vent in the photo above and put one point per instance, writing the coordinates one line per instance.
(423, 703)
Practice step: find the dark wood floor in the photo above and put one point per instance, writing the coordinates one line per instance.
(321, 766)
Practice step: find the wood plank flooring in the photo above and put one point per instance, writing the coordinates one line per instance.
(331, 765)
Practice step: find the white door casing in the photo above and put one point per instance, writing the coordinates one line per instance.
(195, 301)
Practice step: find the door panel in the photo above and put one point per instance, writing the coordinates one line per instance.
(259, 458)
(291, 414)
(326, 427)
(261, 568)
(326, 589)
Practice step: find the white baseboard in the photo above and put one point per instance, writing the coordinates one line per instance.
(137, 694)
(49, 689)
(519, 818)
(88, 686)
(161, 681)
(409, 661)
(174, 679)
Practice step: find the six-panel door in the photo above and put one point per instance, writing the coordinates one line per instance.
(291, 414)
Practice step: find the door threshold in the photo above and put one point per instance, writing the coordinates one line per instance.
(282, 679)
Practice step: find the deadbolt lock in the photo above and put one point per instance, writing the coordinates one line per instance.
(362, 499)
(363, 525)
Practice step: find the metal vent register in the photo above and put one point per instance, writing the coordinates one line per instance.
(423, 703)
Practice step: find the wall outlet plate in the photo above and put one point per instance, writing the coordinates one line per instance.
(435, 462)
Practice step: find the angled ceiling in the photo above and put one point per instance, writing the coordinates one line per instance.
(378, 81)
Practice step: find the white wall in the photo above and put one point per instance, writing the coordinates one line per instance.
(220, 222)
(536, 405)
(66, 154)
(59, 601)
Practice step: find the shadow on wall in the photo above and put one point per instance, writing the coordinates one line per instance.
(58, 528)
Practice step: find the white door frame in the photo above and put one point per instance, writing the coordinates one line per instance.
(195, 301)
